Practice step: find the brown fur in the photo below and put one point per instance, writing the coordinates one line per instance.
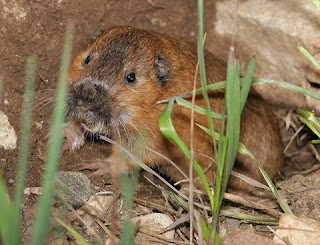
(106, 97)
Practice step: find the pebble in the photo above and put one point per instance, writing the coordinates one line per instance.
(75, 186)
(100, 202)
(8, 137)
(155, 222)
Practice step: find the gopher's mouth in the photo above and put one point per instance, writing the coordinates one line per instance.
(91, 127)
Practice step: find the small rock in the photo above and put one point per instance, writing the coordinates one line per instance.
(39, 125)
(100, 202)
(155, 222)
(75, 186)
(32, 190)
(109, 242)
(8, 137)
(6, 102)
(297, 230)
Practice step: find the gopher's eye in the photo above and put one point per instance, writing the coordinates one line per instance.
(131, 77)
(87, 59)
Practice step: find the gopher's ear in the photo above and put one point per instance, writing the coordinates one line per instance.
(96, 35)
(162, 68)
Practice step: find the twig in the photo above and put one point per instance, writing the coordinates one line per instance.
(195, 203)
(251, 204)
(157, 206)
(148, 169)
(314, 151)
(161, 237)
(292, 138)
(112, 236)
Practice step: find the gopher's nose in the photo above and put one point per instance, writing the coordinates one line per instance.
(86, 117)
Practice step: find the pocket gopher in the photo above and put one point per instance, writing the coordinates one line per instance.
(113, 87)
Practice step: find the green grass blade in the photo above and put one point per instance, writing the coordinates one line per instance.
(222, 151)
(311, 120)
(284, 206)
(229, 151)
(75, 234)
(24, 148)
(211, 87)
(168, 130)
(259, 80)
(202, 68)
(233, 121)
(309, 56)
(7, 215)
(316, 3)
(128, 185)
(247, 217)
(205, 229)
(286, 85)
(128, 189)
(40, 227)
(180, 201)
(127, 233)
(244, 151)
(246, 83)
(198, 109)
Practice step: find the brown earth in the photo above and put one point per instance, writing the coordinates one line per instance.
(38, 27)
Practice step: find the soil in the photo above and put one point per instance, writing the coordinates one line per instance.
(38, 27)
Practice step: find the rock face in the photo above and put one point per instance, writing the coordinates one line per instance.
(271, 30)
(8, 137)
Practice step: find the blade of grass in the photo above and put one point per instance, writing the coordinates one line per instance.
(205, 230)
(244, 151)
(24, 148)
(259, 80)
(40, 227)
(286, 85)
(222, 151)
(6, 214)
(256, 80)
(309, 56)
(284, 206)
(311, 120)
(128, 188)
(232, 102)
(246, 83)
(197, 109)
(75, 234)
(208, 107)
(202, 69)
(233, 121)
(316, 3)
(247, 217)
(168, 130)
(128, 185)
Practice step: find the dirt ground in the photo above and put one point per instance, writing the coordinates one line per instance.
(38, 27)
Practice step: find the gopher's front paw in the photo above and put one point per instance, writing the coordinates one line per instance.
(73, 137)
